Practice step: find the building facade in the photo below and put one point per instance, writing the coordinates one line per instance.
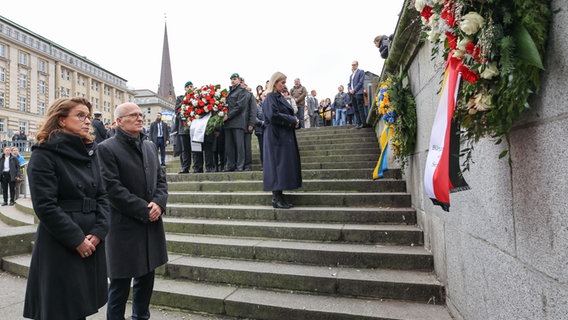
(35, 71)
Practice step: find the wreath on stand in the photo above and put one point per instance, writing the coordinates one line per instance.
(501, 44)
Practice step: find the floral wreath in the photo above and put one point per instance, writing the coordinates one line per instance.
(200, 102)
(397, 108)
(501, 44)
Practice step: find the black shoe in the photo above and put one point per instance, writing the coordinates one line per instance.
(12, 203)
(290, 205)
(184, 171)
(279, 203)
(4, 204)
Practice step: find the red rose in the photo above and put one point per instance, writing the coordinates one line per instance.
(452, 40)
(426, 13)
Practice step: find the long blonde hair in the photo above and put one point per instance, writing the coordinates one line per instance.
(60, 108)
(277, 76)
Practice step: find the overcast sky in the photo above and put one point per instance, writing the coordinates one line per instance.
(315, 41)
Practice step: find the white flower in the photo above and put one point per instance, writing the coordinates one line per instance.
(194, 102)
(459, 54)
(419, 5)
(221, 114)
(462, 43)
(433, 36)
(490, 71)
(479, 102)
(471, 23)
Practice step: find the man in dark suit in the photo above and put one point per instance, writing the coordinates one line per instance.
(160, 135)
(138, 193)
(356, 82)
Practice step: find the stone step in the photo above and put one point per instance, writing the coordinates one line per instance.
(339, 145)
(298, 198)
(375, 151)
(336, 174)
(174, 166)
(21, 214)
(256, 303)
(296, 214)
(337, 281)
(354, 185)
(304, 252)
(16, 240)
(351, 233)
(366, 162)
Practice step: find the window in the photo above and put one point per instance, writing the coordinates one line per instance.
(41, 86)
(42, 65)
(24, 58)
(2, 125)
(23, 81)
(2, 50)
(1, 101)
(22, 104)
(94, 85)
(41, 108)
(2, 74)
(23, 126)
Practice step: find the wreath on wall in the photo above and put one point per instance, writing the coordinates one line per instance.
(501, 44)
(396, 106)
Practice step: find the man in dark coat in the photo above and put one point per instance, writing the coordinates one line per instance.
(235, 125)
(138, 192)
(98, 127)
(160, 135)
(183, 144)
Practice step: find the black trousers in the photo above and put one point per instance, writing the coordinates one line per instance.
(185, 156)
(161, 145)
(8, 184)
(359, 107)
(118, 292)
(234, 149)
(207, 153)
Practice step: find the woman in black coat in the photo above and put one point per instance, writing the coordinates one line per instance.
(67, 277)
(281, 157)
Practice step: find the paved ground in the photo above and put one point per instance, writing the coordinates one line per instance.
(12, 304)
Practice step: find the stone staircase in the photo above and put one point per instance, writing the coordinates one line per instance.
(349, 249)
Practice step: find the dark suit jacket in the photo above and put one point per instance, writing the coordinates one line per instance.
(154, 131)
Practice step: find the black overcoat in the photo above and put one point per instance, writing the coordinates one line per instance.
(282, 169)
(61, 284)
(133, 176)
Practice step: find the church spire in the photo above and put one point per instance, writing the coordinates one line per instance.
(166, 87)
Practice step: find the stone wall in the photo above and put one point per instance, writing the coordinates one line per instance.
(502, 250)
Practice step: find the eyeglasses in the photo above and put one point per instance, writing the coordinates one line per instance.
(134, 115)
(81, 116)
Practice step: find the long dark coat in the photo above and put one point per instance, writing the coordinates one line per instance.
(133, 176)
(61, 284)
(282, 169)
